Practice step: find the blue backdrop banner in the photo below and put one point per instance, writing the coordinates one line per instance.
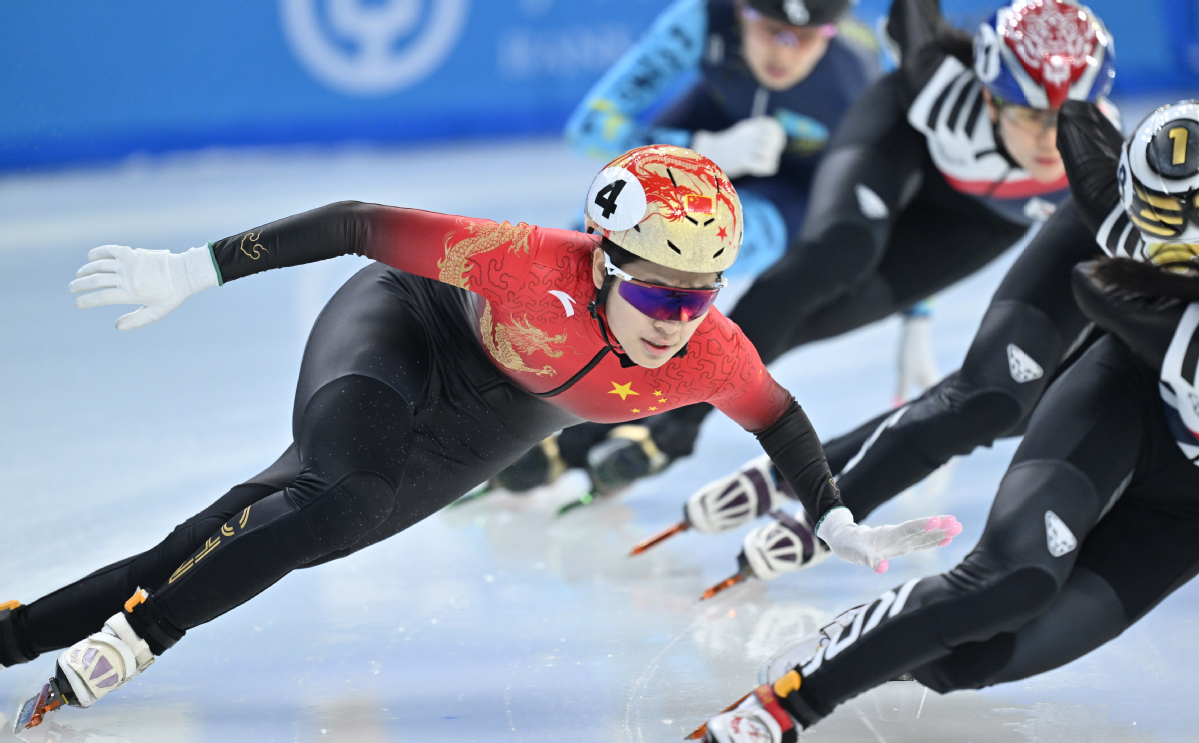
(84, 80)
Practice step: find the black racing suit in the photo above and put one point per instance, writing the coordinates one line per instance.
(1032, 329)
(885, 228)
(394, 387)
(1094, 524)
(400, 409)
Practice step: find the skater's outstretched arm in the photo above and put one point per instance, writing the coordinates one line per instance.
(480, 255)
(605, 123)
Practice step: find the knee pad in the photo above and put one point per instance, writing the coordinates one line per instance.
(350, 509)
(970, 665)
(354, 424)
(956, 417)
(1015, 353)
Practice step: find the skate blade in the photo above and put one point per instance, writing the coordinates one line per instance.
(38, 709)
(702, 730)
(660, 537)
(585, 499)
(724, 585)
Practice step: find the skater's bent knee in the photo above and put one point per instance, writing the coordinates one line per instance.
(957, 419)
(1003, 602)
(350, 509)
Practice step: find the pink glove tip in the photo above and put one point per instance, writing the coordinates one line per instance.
(945, 541)
(882, 567)
(954, 530)
(933, 523)
(947, 520)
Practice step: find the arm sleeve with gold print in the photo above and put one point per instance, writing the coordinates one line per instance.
(480, 255)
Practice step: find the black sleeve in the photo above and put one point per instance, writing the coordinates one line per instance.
(795, 450)
(1123, 297)
(1090, 146)
(342, 228)
(924, 39)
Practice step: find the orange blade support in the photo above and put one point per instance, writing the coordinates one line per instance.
(661, 536)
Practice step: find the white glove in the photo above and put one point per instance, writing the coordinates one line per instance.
(159, 280)
(749, 147)
(872, 546)
(736, 500)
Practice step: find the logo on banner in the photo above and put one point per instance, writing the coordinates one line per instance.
(372, 48)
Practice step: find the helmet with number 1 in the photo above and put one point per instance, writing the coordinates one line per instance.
(1041, 53)
(669, 206)
(1159, 181)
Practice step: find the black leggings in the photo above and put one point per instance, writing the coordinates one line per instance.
(1097, 459)
(1033, 315)
(851, 268)
(398, 412)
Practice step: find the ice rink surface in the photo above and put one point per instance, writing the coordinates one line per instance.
(492, 622)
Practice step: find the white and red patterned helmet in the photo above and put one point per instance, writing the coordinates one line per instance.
(1041, 53)
(667, 205)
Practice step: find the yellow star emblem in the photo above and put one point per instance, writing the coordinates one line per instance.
(624, 390)
(658, 393)
(636, 410)
(654, 408)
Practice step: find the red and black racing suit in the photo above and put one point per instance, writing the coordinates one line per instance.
(431, 370)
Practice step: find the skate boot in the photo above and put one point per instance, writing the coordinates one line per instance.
(628, 454)
(734, 501)
(783, 546)
(541, 465)
(758, 718)
(103, 662)
(624, 457)
(12, 650)
(729, 502)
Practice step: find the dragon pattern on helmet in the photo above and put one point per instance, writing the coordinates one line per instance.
(667, 205)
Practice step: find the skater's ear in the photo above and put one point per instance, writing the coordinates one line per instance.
(597, 267)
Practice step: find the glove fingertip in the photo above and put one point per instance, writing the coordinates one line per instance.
(944, 541)
(933, 523)
(882, 566)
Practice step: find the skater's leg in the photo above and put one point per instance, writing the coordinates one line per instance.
(1026, 334)
(857, 191)
(1145, 548)
(72, 612)
(1083, 443)
(398, 412)
(354, 444)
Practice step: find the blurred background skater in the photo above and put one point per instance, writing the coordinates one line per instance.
(937, 169)
(1096, 521)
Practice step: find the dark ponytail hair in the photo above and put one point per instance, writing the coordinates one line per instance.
(1150, 279)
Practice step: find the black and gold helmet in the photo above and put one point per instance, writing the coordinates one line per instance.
(1159, 181)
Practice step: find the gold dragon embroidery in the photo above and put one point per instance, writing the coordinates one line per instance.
(482, 237)
(506, 343)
